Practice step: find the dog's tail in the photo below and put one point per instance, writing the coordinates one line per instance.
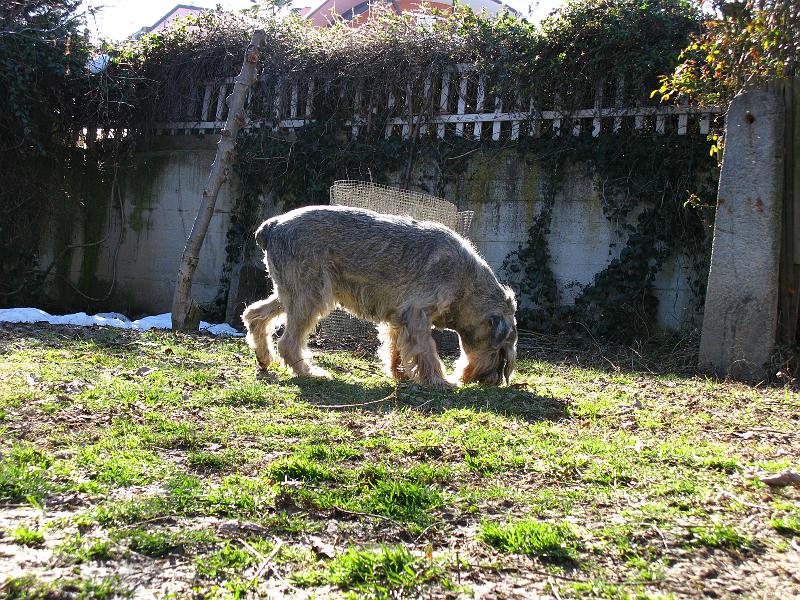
(263, 232)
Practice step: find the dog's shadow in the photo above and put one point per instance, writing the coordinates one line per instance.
(335, 394)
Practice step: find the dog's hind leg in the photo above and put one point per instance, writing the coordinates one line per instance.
(258, 319)
(390, 352)
(418, 350)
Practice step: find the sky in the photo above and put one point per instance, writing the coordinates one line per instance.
(118, 19)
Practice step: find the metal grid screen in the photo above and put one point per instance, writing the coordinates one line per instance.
(391, 201)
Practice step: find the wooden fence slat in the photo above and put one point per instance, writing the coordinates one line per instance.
(443, 100)
(619, 98)
(462, 103)
(223, 89)
(293, 101)
(426, 94)
(683, 123)
(480, 99)
(498, 108)
(356, 108)
(390, 104)
(597, 123)
(789, 279)
(515, 125)
(206, 102)
(277, 100)
(556, 116)
(310, 98)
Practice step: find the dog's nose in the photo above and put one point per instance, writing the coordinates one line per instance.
(501, 366)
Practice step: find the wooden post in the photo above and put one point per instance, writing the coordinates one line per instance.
(789, 298)
(185, 311)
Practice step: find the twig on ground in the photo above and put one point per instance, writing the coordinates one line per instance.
(661, 535)
(553, 589)
(501, 568)
(359, 404)
(424, 531)
(767, 430)
(153, 520)
(358, 513)
(736, 498)
(268, 558)
(251, 550)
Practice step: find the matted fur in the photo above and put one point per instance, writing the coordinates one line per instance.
(407, 276)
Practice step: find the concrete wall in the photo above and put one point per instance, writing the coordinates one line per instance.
(504, 192)
(146, 226)
(162, 189)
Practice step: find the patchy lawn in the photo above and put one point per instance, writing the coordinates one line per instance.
(152, 464)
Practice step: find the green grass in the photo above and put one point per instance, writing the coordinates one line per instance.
(213, 461)
(388, 571)
(30, 587)
(788, 525)
(718, 536)
(23, 473)
(299, 468)
(164, 452)
(26, 537)
(77, 549)
(545, 540)
(226, 561)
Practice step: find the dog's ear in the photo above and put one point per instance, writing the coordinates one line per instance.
(500, 330)
(262, 234)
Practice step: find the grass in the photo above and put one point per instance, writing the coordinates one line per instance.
(788, 525)
(614, 472)
(228, 560)
(78, 549)
(551, 541)
(718, 536)
(23, 474)
(385, 572)
(26, 537)
(30, 587)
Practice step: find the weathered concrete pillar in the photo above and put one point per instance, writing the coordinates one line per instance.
(740, 317)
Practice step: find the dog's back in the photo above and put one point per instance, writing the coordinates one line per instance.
(369, 261)
(357, 239)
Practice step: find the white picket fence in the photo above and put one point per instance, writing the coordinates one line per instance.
(461, 108)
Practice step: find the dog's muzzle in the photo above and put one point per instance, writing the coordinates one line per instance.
(505, 364)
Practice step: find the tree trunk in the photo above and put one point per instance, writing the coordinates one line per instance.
(185, 311)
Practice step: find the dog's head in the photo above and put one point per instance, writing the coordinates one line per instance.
(489, 343)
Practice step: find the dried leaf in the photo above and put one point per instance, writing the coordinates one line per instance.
(782, 479)
(322, 548)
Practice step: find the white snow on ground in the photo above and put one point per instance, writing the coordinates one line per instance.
(163, 321)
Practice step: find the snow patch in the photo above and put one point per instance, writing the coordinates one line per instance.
(120, 321)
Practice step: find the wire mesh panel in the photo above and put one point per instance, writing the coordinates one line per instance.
(391, 201)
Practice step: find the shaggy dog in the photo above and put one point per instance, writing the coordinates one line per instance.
(407, 276)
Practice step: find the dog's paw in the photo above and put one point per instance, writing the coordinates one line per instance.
(439, 384)
(319, 373)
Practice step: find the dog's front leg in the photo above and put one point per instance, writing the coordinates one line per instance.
(418, 350)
